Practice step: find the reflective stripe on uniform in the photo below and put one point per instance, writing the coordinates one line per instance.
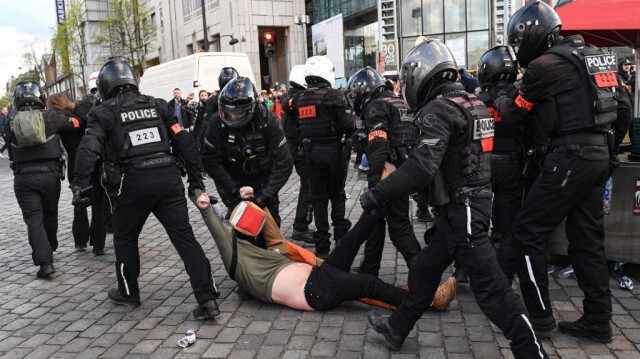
(524, 104)
(532, 278)
(377, 134)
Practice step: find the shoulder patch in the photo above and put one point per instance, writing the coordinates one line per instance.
(429, 120)
(372, 112)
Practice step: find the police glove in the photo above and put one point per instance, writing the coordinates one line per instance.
(261, 201)
(81, 196)
(194, 185)
(369, 202)
(614, 163)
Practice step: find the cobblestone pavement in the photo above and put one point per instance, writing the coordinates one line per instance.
(69, 315)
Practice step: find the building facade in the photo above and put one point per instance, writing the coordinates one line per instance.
(179, 32)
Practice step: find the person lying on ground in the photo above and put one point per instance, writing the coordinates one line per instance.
(273, 278)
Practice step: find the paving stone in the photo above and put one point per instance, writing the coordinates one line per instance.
(324, 349)
(117, 351)
(145, 347)
(270, 352)
(218, 350)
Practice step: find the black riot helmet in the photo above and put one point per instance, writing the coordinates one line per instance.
(237, 102)
(427, 64)
(361, 86)
(531, 31)
(226, 74)
(28, 94)
(116, 76)
(495, 65)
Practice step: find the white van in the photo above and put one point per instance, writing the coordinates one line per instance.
(192, 73)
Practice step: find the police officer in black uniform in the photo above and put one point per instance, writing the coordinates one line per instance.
(38, 169)
(497, 71)
(325, 120)
(576, 96)
(456, 133)
(391, 137)
(245, 147)
(139, 130)
(95, 232)
(291, 127)
(201, 127)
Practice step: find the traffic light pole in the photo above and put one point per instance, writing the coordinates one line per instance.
(204, 26)
(271, 82)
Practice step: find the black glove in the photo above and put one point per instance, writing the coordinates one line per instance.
(369, 202)
(194, 185)
(260, 201)
(81, 196)
(614, 163)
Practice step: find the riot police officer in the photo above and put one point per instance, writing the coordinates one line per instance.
(291, 127)
(95, 232)
(226, 74)
(456, 133)
(38, 167)
(325, 120)
(579, 107)
(245, 147)
(139, 130)
(497, 71)
(391, 137)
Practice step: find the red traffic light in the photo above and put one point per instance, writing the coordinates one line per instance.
(268, 36)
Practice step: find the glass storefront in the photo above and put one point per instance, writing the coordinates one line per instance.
(464, 25)
(360, 48)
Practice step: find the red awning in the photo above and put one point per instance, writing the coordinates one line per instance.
(602, 22)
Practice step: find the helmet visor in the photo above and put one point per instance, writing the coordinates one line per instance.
(237, 115)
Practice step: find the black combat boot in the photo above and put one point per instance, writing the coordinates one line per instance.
(207, 310)
(381, 325)
(600, 332)
(116, 297)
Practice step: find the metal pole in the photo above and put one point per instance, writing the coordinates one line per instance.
(204, 26)
(505, 21)
(304, 38)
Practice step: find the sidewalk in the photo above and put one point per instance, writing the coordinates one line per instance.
(70, 316)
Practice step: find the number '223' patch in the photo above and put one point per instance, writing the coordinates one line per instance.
(144, 136)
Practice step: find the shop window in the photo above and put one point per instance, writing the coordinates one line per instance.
(477, 44)
(411, 17)
(454, 15)
(433, 17)
(477, 15)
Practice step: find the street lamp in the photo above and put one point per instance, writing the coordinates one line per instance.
(302, 20)
(233, 40)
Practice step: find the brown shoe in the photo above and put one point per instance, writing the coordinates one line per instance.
(445, 294)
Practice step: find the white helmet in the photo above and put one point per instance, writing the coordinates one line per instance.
(320, 69)
(93, 82)
(296, 76)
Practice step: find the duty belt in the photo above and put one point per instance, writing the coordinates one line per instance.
(323, 146)
(150, 162)
(28, 168)
(467, 192)
(584, 139)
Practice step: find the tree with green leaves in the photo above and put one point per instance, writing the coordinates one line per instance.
(69, 43)
(128, 32)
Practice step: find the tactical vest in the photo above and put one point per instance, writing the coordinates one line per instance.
(403, 133)
(289, 118)
(139, 131)
(246, 149)
(315, 117)
(507, 137)
(590, 103)
(50, 150)
(470, 166)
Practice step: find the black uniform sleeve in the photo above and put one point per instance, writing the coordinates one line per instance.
(281, 157)
(82, 110)
(101, 121)
(625, 115)
(213, 162)
(338, 101)
(376, 119)
(184, 144)
(436, 126)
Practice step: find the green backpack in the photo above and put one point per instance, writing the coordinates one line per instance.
(29, 129)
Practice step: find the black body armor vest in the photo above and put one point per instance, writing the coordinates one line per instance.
(315, 118)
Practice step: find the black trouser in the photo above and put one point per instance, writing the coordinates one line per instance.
(95, 233)
(159, 191)
(461, 233)
(508, 189)
(331, 283)
(303, 210)
(327, 174)
(570, 187)
(38, 195)
(396, 213)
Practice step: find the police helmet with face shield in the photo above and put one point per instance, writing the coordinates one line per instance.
(320, 69)
(226, 74)
(296, 77)
(116, 76)
(495, 65)
(28, 94)
(237, 102)
(362, 85)
(427, 64)
(531, 31)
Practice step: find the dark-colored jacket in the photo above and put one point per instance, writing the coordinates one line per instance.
(467, 80)
(228, 168)
(187, 117)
